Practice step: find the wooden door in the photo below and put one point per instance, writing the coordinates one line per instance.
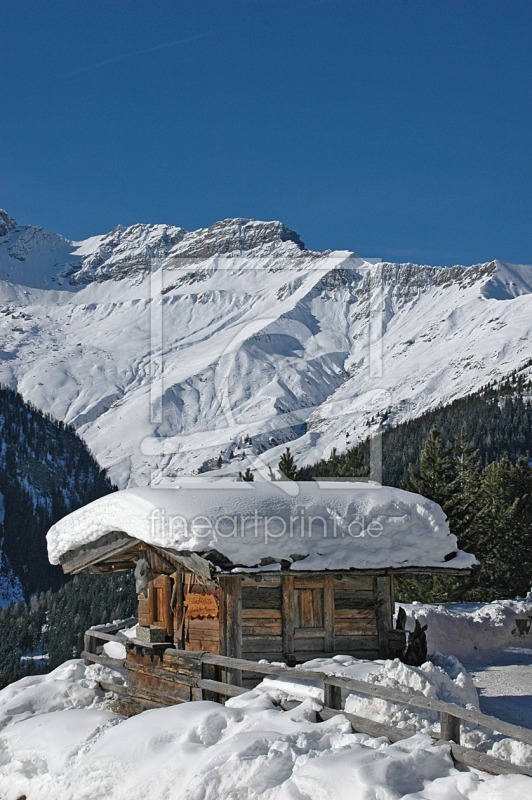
(312, 618)
(159, 594)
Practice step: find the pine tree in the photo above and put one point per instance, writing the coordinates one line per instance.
(435, 477)
(287, 466)
(246, 476)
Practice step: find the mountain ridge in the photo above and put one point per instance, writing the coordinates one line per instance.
(174, 352)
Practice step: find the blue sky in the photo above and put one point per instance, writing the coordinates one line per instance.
(400, 129)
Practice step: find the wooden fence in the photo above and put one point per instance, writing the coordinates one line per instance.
(159, 675)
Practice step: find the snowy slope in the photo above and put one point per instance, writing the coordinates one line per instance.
(171, 359)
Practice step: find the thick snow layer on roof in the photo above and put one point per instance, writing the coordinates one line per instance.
(307, 525)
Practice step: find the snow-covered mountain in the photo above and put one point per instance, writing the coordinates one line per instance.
(174, 352)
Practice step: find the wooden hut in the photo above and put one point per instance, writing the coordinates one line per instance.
(284, 572)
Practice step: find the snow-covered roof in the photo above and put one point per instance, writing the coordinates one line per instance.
(268, 525)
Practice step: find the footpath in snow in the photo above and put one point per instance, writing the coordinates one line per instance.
(61, 737)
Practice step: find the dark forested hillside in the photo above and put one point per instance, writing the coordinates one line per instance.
(497, 420)
(46, 471)
(39, 635)
(472, 458)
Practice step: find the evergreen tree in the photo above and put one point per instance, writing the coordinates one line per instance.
(435, 478)
(246, 476)
(287, 466)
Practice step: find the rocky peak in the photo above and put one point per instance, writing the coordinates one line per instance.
(235, 236)
(125, 252)
(7, 223)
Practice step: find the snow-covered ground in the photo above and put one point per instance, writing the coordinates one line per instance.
(494, 642)
(60, 738)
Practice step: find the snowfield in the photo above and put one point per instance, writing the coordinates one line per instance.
(175, 352)
(61, 740)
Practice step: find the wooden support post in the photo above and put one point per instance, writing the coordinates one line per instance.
(90, 645)
(332, 696)
(231, 611)
(288, 614)
(383, 608)
(450, 727)
(328, 613)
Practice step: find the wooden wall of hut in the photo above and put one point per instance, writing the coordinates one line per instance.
(292, 618)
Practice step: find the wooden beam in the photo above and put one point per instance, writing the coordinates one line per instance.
(231, 622)
(114, 543)
(288, 615)
(328, 611)
(383, 605)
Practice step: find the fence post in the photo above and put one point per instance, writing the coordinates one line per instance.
(449, 727)
(90, 644)
(332, 696)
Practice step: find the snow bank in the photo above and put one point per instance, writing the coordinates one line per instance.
(249, 748)
(70, 686)
(308, 525)
(468, 629)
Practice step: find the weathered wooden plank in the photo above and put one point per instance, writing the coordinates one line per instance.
(363, 725)
(251, 614)
(158, 698)
(258, 656)
(160, 673)
(288, 612)
(114, 543)
(208, 629)
(253, 666)
(262, 627)
(218, 687)
(263, 581)
(116, 688)
(269, 644)
(309, 645)
(353, 583)
(204, 634)
(181, 664)
(115, 627)
(104, 636)
(232, 622)
(257, 597)
(329, 621)
(192, 562)
(355, 614)
(206, 645)
(354, 627)
(158, 562)
(304, 608)
(144, 611)
(495, 766)
(358, 643)
(449, 727)
(309, 633)
(383, 603)
(356, 600)
(307, 655)
(113, 663)
(332, 696)
(308, 581)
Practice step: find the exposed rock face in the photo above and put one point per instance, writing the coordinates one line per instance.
(7, 223)
(124, 252)
(236, 236)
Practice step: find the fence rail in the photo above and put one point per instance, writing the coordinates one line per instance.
(207, 675)
(93, 649)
